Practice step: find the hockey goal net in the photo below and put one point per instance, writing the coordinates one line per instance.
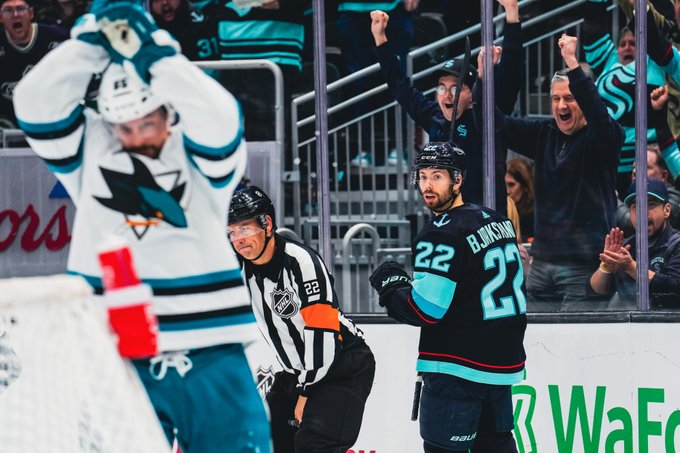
(63, 386)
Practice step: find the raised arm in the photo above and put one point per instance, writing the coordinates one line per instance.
(420, 108)
(599, 47)
(508, 73)
(49, 101)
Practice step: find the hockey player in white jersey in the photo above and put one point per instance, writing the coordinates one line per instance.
(157, 165)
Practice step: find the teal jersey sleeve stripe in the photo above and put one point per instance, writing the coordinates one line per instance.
(598, 43)
(212, 153)
(218, 153)
(484, 377)
(256, 29)
(362, 7)
(208, 323)
(220, 183)
(233, 275)
(432, 293)
(54, 126)
(68, 165)
(671, 155)
(216, 182)
(262, 42)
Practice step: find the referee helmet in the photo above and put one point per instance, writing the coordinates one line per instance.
(251, 202)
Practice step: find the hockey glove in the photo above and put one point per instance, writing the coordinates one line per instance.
(86, 29)
(387, 278)
(132, 36)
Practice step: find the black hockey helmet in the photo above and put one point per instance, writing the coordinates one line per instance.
(444, 155)
(251, 202)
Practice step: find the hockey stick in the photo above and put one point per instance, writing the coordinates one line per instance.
(416, 397)
(461, 80)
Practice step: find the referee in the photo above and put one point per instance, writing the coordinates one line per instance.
(317, 401)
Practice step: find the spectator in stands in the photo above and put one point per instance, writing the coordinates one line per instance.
(274, 31)
(185, 23)
(667, 21)
(22, 44)
(434, 116)
(656, 168)
(62, 12)
(519, 181)
(353, 16)
(575, 154)
(356, 42)
(614, 66)
(618, 268)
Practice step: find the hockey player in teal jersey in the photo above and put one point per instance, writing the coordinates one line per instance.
(156, 165)
(467, 295)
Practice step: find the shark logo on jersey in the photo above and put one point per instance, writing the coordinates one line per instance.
(440, 223)
(283, 304)
(138, 194)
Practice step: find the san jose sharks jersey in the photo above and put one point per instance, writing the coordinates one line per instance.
(172, 210)
(468, 296)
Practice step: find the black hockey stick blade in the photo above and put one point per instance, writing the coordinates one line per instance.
(416, 397)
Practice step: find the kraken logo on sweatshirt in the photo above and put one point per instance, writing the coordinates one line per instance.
(138, 194)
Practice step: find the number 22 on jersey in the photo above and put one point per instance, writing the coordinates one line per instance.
(438, 257)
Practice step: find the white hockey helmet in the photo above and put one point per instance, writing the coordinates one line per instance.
(124, 97)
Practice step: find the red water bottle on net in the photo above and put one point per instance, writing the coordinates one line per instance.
(128, 301)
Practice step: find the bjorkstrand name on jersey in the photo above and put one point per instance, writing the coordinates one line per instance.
(490, 233)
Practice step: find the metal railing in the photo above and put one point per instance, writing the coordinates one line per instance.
(363, 193)
(377, 187)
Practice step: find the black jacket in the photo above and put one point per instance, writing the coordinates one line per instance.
(575, 175)
(426, 113)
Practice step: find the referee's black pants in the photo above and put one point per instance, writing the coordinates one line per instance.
(335, 407)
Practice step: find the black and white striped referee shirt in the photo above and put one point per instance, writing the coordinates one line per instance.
(297, 310)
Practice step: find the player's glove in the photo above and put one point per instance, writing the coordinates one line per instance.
(132, 36)
(86, 29)
(387, 278)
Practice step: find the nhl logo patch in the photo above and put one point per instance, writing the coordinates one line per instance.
(265, 379)
(283, 304)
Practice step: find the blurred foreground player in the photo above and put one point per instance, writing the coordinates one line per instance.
(467, 295)
(157, 166)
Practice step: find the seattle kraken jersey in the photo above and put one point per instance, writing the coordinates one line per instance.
(256, 33)
(171, 210)
(468, 295)
(616, 82)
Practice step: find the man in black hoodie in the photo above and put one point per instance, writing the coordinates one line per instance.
(576, 155)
